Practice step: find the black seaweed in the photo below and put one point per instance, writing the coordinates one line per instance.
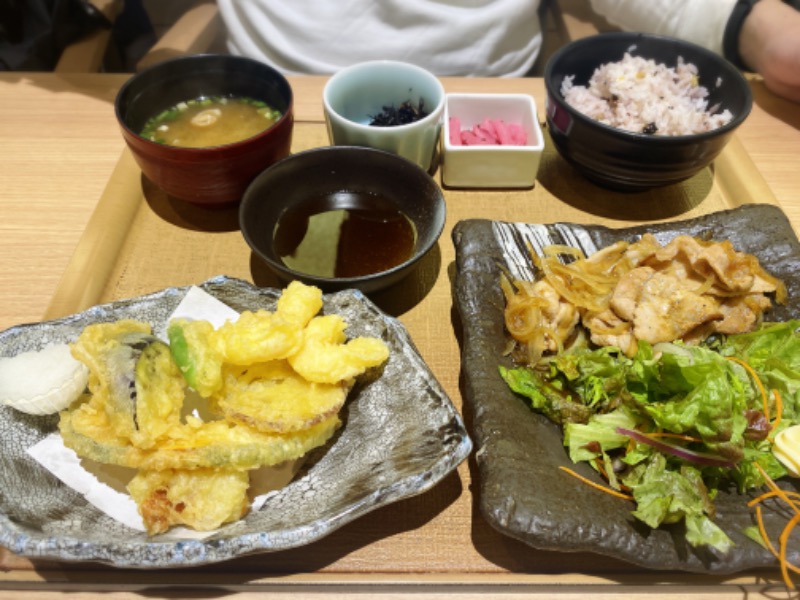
(650, 129)
(404, 114)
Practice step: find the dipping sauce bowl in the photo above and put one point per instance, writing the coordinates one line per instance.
(342, 217)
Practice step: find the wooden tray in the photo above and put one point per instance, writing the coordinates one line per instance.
(139, 240)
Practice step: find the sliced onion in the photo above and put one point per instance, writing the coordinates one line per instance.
(670, 348)
(700, 458)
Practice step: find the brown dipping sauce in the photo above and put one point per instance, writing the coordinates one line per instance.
(344, 234)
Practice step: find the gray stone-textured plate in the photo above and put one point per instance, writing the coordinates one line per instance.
(523, 494)
(401, 435)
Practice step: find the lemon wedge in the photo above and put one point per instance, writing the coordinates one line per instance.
(787, 449)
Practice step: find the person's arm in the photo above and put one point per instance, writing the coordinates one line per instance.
(767, 40)
(700, 21)
(769, 43)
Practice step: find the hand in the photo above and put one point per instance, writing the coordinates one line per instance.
(769, 43)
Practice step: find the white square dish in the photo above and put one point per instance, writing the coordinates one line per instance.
(491, 165)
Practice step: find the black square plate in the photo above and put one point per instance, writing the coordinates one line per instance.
(523, 494)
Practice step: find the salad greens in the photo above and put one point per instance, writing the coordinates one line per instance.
(675, 423)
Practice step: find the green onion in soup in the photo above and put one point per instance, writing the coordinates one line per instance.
(210, 121)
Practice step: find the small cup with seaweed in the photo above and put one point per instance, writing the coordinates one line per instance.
(389, 105)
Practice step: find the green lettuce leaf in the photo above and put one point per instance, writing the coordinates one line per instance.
(674, 388)
(546, 396)
(588, 441)
(695, 391)
(665, 496)
(773, 352)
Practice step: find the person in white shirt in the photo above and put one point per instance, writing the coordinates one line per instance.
(497, 38)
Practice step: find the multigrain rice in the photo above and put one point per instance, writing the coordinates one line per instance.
(642, 96)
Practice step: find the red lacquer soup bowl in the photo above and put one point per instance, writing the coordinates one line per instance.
(214, 175)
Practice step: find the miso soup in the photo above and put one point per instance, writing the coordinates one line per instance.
(213, 121)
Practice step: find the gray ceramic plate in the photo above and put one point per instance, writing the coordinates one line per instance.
(522, 492)
(401, 435)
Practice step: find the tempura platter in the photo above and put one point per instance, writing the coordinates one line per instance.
(400, 436)
(522, 492)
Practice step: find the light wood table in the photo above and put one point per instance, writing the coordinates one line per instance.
(64, 174)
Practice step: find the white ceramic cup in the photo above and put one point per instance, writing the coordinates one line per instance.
(354, 95)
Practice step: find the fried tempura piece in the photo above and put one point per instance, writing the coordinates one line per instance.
(272, 397)
(159, 395)
(196, 354)
(262, 336)
(132, 379)
(326, 357)
(96, 341)
(200, 351)
(202, 499)
(299, 303)
(193, 445)
(258, 336)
